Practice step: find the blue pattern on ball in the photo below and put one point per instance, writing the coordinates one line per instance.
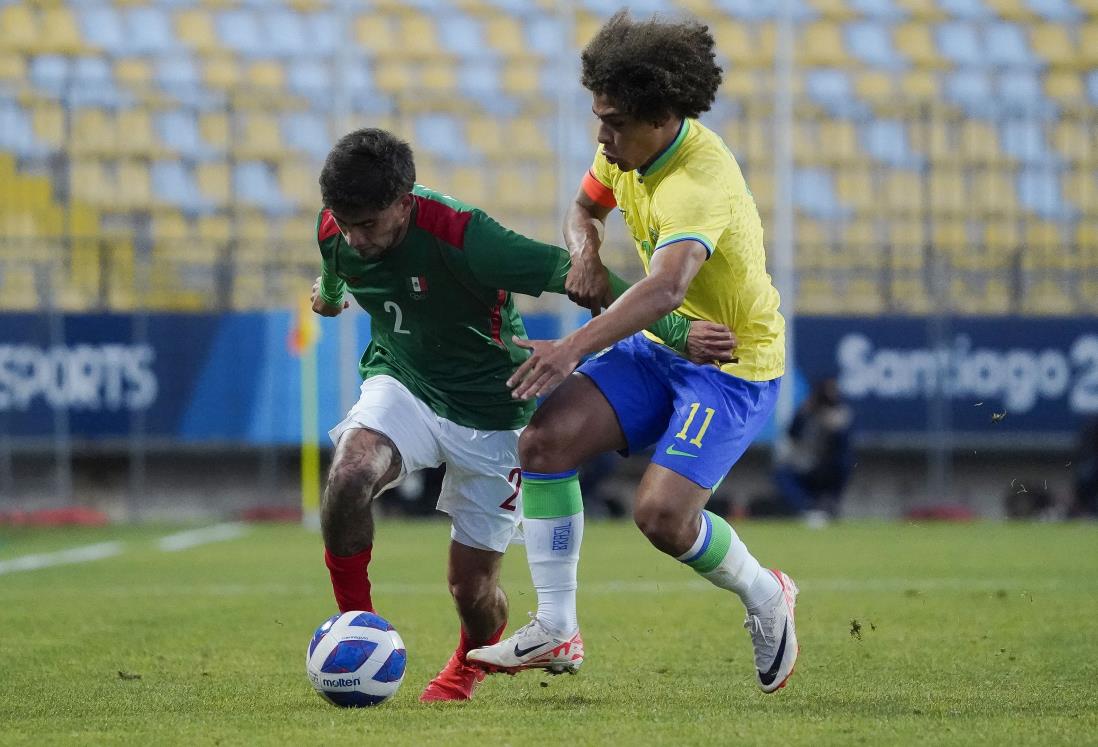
(321, 632)
(370, 620)
(348, 656)
(353, 700)
(393, 668)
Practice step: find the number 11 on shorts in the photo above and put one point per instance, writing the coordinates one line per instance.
(696, 440)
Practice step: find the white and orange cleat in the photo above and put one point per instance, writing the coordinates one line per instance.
(531, 647)
(774, 636)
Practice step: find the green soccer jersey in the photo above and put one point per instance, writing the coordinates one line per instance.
(441, 311)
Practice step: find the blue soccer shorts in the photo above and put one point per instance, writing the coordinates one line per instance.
(700, 420)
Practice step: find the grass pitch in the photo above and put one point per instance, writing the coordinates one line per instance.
(967, 634)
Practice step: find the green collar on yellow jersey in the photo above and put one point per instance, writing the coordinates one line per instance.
(669, 151)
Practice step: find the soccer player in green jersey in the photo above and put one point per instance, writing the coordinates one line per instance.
(436, 277)
(698, 233)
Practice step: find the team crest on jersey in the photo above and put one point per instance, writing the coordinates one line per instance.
(418, 287)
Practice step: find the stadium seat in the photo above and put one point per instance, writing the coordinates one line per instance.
(1005, 45)
(960, 43)
(1063, 11)
(174, 186)
(195, 28)
(214, 182)
(1065, 87)
(254, 184)
(915, 42)
(1055, 45)
(257, 136)
(969, 10)
(871, 43)
(284, 33)
(298, 181)
(1039, 192)
(148, 31)
(238, 30)
(814, 194)
(821, 44)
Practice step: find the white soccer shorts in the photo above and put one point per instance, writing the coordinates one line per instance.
(480, 491)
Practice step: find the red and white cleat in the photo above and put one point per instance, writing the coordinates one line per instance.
(456, 681)
(531, 647)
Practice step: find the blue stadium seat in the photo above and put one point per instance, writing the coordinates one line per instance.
(101, 26)
(310, 78)
(832, 89)
(959, 43)
(1021, 89)
(871, 43)
(1006, 45)
(307, 132)
(442, 135)
(148, 30)
(971, 90)
(886, 141)
(764, 10)
(17, 131)
(253, 183)
(464, 36)
(323, 32)
(178, 129)
(50, 73)
(881, 10)
(1092, 87)
(1024, 140)
(1039, 192)
(239, 31)
(480, 80)
(92, 84)
(283, 33)
(545, 36)
(814, 194)
(173, 184)
(970, 10)
(638, 7)
(1056, 10)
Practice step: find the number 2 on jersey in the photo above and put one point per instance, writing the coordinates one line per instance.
(515, 478)
(392, 306)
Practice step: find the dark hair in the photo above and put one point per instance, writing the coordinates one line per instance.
(652, 69)
(367, 170)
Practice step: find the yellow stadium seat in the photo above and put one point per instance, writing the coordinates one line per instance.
(93, 132)
(135, 72)
(836, 10)
(1065, 86)
(1048, 297)
(920, 85)
(221, 72)
(914, 40)
(18, 287)
(214, 128)
(393, 76)
(1002, 236)
(266, 75)
(504, 33)
(993, 193)
(417, 34)
(839, 141)
(855, 188)
(521, 77)
(170, 225)
(1055, 44)
(863, 296)
(438, 75)
(875, 86)
(214, 181)
(821, 43)
(905, 193)
(1073, 140)
(739, 83)
(135, 132)
(1040, 235)
(259, 137)
(585, 27)
(949, 236)
(980, 142)
(22, 28)
(298, 182)
(61, 33)
(469, 184)
(908, 294)
(923, 10)
(862, 244)
(49, 124)
(947, 192)
(1086, 238)
(1012, 10)
(737, 41)
(90, 182)
(817, 295)
(1088, 45)
(194, 27)
(13, 67)
(215, 228)
(134, 185)
(377, 33)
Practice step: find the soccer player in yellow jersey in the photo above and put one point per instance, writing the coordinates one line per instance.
(698, 233)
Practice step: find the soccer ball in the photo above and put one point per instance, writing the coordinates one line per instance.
(356, 659)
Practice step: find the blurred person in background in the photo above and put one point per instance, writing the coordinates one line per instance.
(436, 277)
(814, 458)
(1086, 473)
(699, 237)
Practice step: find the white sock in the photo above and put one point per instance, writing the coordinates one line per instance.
(735, 568)
(552, 550)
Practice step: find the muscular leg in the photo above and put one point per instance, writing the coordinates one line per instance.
(668, 510)
(365, 461)
(574, 424)
(481, 603)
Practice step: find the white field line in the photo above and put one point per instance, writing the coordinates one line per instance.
(195, 537)
(82, 554)
(808, 585)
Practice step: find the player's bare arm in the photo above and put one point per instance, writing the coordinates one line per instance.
(322, 307)
(661, 292)
(584, 225)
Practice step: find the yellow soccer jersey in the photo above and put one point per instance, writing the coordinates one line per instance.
(695, 190)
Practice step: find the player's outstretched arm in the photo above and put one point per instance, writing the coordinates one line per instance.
(322, 306)
(584, 224)
(661, 292)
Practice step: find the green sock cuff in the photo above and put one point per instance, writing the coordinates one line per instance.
(720, 539)
(550, 497)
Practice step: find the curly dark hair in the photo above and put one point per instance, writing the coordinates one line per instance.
(367, 170)
(652, 69)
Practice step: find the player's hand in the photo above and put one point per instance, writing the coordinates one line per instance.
(588, 282)
(709, 342)
(322, 307)
(542, 372)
